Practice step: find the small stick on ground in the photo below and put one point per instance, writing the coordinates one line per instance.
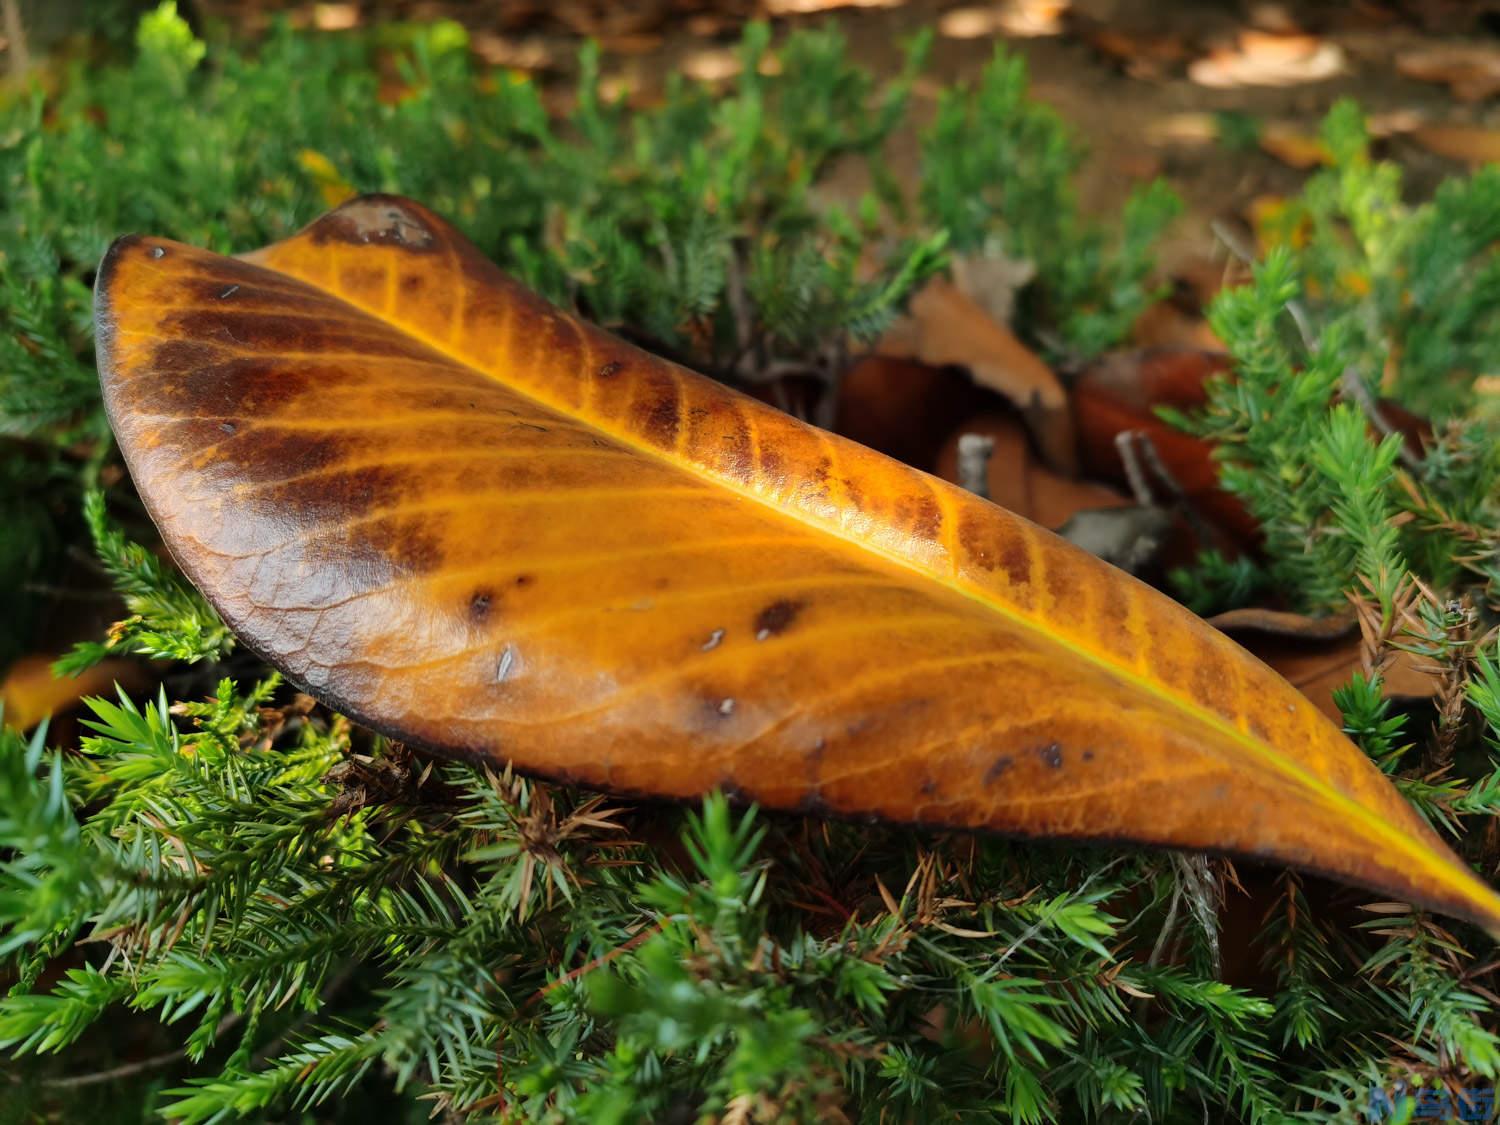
(974, 453)
(1135, 476)
(15, 38)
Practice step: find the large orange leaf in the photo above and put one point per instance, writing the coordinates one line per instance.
(484, 526)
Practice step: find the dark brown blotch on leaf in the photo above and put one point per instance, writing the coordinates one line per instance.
(277, 455)
(1014, 560)
(920, 513)
(480, 603)
(776, 619)
(411, 544)
(661, 419)
(1051, 755)
(338, 495)
(997, 768)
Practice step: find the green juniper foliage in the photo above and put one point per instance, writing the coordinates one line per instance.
(225, 901)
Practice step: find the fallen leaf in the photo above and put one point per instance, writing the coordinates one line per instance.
(1294, 146)
(1150, 57)
(1089, 515)
(993, 282)
(1168, 325)
(31, 693)
(1473, 144)
(335, 17)
(1019, 19)
(946, 326)
(904, 409)
(1120, 393)
(1178, 321)
(1280, 623)
(1019, 481)
(1260, 58)
(1471, 71)
(517, 54)
(491, 530)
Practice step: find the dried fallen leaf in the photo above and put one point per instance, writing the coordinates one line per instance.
(904, 409)
(497, 532)
(945, 326)
(1280, 623)
(1471, 71)
(1019, 19)
(1120, 394)
(1293, 146)
(1020, 482)
(1150, 57)
(30, 692)
(1473, 144)
(1260, 58)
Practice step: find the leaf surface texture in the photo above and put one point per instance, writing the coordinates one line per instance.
(482, 525)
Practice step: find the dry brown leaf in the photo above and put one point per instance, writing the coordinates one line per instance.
(1471, 71)
(490, 529)
(1472, 144)
(1144, 56)
(1280, 623)
(1293, 146)
(1019, 19)
(947, 327)
(1262, 58)
(1167, 325)
(30, 692)
(905, 409)
(1019, 481)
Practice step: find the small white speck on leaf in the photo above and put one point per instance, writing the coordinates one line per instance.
(507, 665)
(714, 640)
(726, 707)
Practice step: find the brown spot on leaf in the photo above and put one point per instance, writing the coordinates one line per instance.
(338, 495)
(660, 418)
(194, 381)
(610, 369)
(980, 539)
(480, 604)
(1051, 755)
(921, 515)
(998, 767)
(1014, 559)
(776, 618)
(411, 544)
(277, 454)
